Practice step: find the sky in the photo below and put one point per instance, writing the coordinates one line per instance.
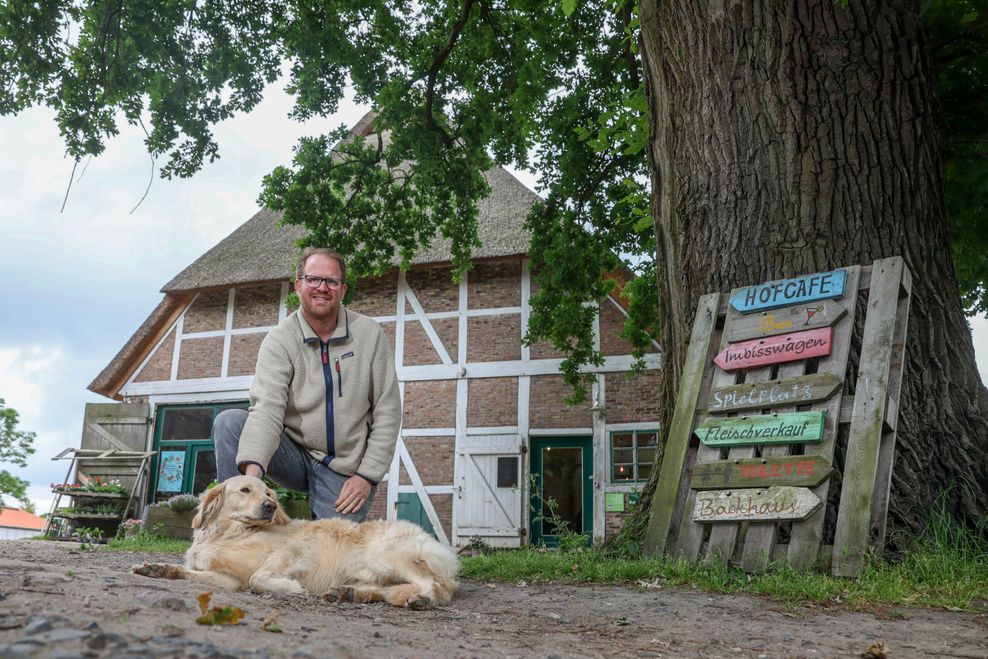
(76, 284)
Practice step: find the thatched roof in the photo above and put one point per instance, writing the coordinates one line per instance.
(262, 250)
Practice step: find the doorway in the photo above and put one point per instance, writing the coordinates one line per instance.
(562, 492)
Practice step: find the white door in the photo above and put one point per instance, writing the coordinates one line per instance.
(488, 501)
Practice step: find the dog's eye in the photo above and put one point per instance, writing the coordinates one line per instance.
(245, 490)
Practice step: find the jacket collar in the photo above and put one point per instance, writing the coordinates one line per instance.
(340, 334)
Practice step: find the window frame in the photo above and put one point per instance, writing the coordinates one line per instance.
(634, 448)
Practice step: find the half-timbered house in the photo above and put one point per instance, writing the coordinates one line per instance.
(484, 415)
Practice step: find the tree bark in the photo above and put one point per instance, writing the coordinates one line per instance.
(791, 138)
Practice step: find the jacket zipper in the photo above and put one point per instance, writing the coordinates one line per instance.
(339, 377)
(327, 373)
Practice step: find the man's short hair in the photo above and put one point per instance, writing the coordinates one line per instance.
(325, 251)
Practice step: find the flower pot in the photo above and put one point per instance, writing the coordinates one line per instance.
(162, 520)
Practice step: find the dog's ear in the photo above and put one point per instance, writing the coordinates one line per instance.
(209, 505)
(280, 517)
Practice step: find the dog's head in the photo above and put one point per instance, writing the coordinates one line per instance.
(243, 500)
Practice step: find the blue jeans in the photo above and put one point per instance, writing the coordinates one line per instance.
(291, 466)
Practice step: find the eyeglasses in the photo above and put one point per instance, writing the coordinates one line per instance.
(332, 283)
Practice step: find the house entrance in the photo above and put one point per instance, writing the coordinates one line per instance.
(563, 479)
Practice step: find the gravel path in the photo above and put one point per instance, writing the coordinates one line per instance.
(59, 601)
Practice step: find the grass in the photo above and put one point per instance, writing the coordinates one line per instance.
(148, 542)
(946, 567)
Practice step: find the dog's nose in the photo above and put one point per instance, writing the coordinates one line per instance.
(270, 506)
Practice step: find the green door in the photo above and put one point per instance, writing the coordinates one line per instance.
(410, 508)
(562, 494)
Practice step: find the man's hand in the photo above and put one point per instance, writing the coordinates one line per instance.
(253, 470)
(353, 495)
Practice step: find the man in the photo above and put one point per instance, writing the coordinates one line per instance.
(324, 405)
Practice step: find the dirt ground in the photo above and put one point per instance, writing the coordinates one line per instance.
(57, 600)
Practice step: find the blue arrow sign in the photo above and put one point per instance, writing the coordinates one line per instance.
(783, 292)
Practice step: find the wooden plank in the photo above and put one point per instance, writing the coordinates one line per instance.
(776, 503)
(681, 428)
(886, 453)
(797, 470)
(776, 350)
(801, 390)
(852, 534)
(807, 536)
(801, 317)
(784, 292)
(786, 428)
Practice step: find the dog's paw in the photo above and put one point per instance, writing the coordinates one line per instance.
(153, 570)
(419, 603)
(346, 594)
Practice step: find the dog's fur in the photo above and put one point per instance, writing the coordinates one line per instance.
(243, 539)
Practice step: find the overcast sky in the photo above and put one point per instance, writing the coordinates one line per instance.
(75, 285)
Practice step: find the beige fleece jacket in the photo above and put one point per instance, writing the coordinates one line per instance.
(354, 394)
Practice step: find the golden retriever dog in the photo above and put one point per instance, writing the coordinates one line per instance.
(243, 539)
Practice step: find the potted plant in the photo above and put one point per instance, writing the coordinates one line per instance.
(172, 517)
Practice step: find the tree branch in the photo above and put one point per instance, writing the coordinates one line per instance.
(437, 65)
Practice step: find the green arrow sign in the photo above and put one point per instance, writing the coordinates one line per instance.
(788, 428)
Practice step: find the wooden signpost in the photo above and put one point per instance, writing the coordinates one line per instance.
(755, 491)
(801, 390)
(776, 350)
(775, 503)
(824, 313)
(789, 428)
(785, 292)
(798, 470)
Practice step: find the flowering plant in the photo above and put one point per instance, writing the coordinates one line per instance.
(96, 484)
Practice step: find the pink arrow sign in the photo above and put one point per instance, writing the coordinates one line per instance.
(776, 349)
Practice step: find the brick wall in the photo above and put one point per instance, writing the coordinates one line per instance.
(494, 338)
(200, 358)
(433, 459)
(207, 313)
(546, 406)
(492, 285)
(243, 353)
(611, 324)
(379, 506)
(375, 296)
(256, 306)
(430, 404)
(159, 367)
(492, 402)
(418, 348)
(632, 397)
(434, 289)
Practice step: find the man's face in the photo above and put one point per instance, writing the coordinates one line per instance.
(322, 303)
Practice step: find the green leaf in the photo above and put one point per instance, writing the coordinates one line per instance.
(569, 6)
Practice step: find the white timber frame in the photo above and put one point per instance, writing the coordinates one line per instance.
(408, 309)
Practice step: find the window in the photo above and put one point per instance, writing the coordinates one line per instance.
(632, 455)
(185, 463)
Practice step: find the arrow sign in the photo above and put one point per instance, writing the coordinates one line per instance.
(776, 349)
(800, 390)
(777, 504)
(783, 292)
(784, 321)
(802, 470)
(789, 428)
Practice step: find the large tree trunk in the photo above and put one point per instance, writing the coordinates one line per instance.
(794, 137)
